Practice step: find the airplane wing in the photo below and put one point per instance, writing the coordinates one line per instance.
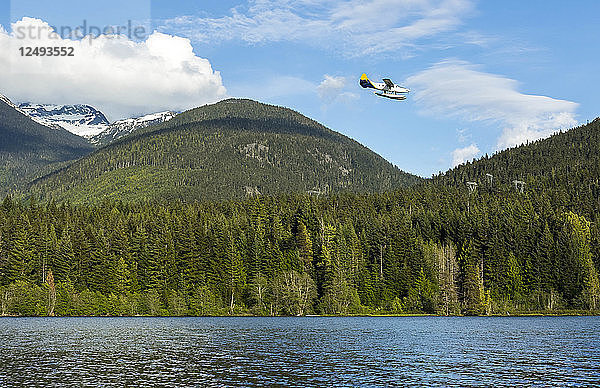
(388, 82)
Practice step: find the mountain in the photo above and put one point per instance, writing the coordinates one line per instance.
(8, 102)
(566, 164)
(231, 149)
(125, 127)
(89, 122)
(82, 120)
(28, 148)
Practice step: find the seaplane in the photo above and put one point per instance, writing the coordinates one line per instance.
(386, 88)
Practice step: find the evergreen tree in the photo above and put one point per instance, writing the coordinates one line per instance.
(64, 260)
(473, 292)
(581, 277)
(304, 244)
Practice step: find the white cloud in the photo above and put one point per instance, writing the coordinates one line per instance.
(461, 155)
(353, 27)
(463, 135)
(459, 89)
(117, 75)
(331, 86)
(331, 89)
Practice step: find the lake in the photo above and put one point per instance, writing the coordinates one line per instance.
(303, 351)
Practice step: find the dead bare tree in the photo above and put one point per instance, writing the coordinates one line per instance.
(51, 293)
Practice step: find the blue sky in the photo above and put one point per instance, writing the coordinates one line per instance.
(484, 75)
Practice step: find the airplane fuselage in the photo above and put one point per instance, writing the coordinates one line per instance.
(383, 87)
(386, 89)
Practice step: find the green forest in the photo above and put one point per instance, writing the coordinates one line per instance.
(241, 208)
(431, 249)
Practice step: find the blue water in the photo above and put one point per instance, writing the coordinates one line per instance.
(361, 351)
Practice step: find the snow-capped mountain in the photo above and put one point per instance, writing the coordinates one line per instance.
(16, 107)
(87, 121)
(82, 120)
(124, 127)
(8, 101)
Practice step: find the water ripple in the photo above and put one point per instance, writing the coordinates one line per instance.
(402, 351)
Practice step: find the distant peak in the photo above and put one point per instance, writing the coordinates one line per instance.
(124, 127)
(7, 100)
(80, 119)
(149, 116)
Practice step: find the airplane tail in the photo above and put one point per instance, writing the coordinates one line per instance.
(365, 83)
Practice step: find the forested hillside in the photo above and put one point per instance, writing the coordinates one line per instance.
(566, 165)
(29, 149)
(231, 149)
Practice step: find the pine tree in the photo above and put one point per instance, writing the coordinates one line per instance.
(514, 285)
(473, 292)
(582, 275)
(234, 273)
(545, 264)
(119, 260)
(19, 254)
(65, 258)
(140, 256)
(304, 245)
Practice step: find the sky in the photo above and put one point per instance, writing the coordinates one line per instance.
(484, 75)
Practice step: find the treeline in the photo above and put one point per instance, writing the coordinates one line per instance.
(431, 250)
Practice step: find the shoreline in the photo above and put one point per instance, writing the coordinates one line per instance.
(409, 315)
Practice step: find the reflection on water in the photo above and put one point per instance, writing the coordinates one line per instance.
(403, 351)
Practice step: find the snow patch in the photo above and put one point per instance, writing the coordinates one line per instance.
(124, 127)
(82, 120)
